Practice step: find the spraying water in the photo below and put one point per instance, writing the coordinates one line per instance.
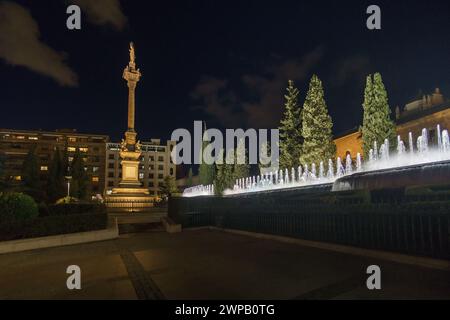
(378, 159)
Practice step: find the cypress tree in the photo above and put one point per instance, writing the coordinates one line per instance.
(318, 144)
(291, 129)
(30, 171)
(240, 170)
(377, 123)
(80, 179)
(56, 176)
(65, 168)
(189, 179)
(206, 171)
(224, 178)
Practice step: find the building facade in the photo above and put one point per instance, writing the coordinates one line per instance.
(15, 145)
(155, 163)
(425, 112)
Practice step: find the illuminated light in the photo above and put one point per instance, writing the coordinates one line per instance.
(44, 168)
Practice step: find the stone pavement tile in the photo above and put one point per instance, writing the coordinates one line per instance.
(217, 265)
(41, 274)
(205, 264)
(405, 282)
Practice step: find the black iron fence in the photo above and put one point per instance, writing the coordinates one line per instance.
(409, 221)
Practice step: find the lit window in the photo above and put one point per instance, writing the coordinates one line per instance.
(20, 137)
(94, 179)
(70, 159)
(95, 169)
(83, 149)
(32, 138)
(44, 168)
(141, 175)
(71, 139)
(71, 149)
(17, 178)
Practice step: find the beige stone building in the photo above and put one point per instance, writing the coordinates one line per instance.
(425, 112)
(155, 164)
(15, 144)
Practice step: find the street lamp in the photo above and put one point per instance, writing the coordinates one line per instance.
(68, 185)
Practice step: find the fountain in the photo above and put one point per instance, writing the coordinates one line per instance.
(411, 143)
(348, 165)
(430, 164)
(358, 162)
(330, 173)
(339, 168)
(321, 171)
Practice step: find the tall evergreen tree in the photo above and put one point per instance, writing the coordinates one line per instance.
(206, 171)
(264, 154)
(291, 129)
(377, 123)
(318, 144)
(241, 167)
(80, 179)
(168, 187)
(56, 174)
(224, 178)
(65, 168)
(30, 171)
(189, 179)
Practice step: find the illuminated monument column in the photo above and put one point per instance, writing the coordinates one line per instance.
(130, 148)
(130, 195)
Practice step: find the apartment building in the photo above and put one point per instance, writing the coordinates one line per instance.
(15, 144)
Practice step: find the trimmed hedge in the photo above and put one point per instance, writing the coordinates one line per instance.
(52, 225)
(74, 208)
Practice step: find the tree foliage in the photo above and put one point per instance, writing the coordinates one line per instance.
(168, 187)
(318, 144)
(241, 168)
(30, 171)
(224, 178)
(80, 180)
(377, 122)
(56, 177)
(291, 129)
(189, 179)
(206, 171)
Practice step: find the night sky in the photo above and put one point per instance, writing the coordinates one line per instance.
(226, 62)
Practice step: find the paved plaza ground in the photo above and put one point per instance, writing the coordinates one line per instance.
(208, 264)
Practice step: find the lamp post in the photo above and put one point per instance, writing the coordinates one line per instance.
(68, 185)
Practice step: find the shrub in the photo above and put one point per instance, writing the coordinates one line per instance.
(76, 208)
(17, 206)
(51, 225)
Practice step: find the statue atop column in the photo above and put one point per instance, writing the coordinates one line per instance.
(132, 56)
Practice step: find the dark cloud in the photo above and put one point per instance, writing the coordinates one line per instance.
(268, 88)
(217, 100)
(103, 12)
(20, 44)
(266, 111)
(354, 67)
